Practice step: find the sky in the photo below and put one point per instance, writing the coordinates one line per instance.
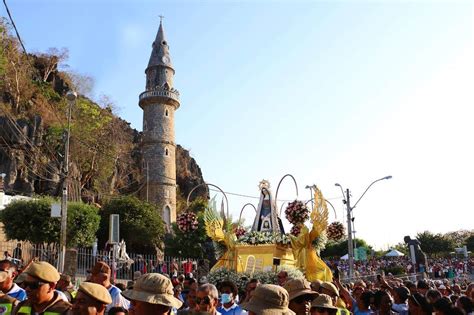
(329, 91)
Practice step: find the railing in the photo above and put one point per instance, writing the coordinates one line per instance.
(87, 257)
(160, 92)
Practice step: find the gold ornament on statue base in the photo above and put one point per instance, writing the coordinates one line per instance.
(266, 246)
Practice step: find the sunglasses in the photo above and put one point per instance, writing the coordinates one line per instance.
(303, 298)
(33, 285)
(206, 300)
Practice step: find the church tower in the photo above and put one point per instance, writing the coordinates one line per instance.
(159, 102)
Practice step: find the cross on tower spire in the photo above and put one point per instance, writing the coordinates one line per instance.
(161, 18)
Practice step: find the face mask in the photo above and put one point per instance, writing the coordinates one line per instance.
(226, 298)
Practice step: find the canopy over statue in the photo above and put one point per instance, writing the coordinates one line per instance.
(267, 219)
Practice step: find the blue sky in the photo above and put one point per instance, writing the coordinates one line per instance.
(329, 91)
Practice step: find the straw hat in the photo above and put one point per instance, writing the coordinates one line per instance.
(269, 299)
(96, 291)
(43, 271)
(316, 285)
(323, 301)
(330, 287)
(100, 267)
(299, 287)
(153, 288)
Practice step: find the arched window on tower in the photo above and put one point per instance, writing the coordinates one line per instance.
(167, 216)
(166, 113)
(167, 152)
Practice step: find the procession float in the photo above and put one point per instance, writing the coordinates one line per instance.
(264, 246)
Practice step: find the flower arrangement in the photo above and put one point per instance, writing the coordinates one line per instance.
(295, 230)
(256, 238)
(240, 231)
(187, 222)
(319, 242)
(297, 212)
(241, 279)
(335, 231)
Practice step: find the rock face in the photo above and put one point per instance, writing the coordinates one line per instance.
(29, 170)
(188, 175)
(20, 145)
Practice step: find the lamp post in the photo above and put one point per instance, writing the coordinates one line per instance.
(347, 202)
(71, 100)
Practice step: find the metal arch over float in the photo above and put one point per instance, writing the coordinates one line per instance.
(266, 245)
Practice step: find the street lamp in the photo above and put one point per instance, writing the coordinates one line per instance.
(71, 97)
(349, 209)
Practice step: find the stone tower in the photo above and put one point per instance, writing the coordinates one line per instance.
(159, 102)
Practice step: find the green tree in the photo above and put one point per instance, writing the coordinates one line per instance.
(470, 242)
(434, 244)
(83, 222)
(140, 224)
(193, 245)
(31, 221)
(458, 238)
(339, 249)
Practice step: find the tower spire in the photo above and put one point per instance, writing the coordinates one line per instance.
(160, 55)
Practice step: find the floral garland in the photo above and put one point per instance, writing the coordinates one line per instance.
(241, 279)
(336, 231)
(187, 222)
(240, 231)
(256, 238)
(297, 212)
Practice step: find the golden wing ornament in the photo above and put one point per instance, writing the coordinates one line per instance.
(214, 224)
(320, 214)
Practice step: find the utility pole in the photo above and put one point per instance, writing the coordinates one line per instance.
(71, 99)
(349, 234)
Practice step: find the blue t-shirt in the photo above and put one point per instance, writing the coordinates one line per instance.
(233, 310)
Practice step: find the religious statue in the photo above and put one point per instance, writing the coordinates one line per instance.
(307, 260)
(267, 219)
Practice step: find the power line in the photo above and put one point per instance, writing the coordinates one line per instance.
(256, 197)
(14, 27)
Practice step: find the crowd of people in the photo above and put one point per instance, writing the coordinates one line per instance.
(450, 268)
(41, 289)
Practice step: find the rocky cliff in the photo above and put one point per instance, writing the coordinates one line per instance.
(105, 158)
(30, 168)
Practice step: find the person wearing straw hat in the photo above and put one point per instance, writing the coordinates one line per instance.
(40, 285)
(152, 293)
(323, 305)
(268, 299)
(6, 302)
(91, 299)
(300, 294)
(100, 274)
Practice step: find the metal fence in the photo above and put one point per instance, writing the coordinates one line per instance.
(85, 258)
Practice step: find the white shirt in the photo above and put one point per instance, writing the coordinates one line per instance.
(117, 299)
